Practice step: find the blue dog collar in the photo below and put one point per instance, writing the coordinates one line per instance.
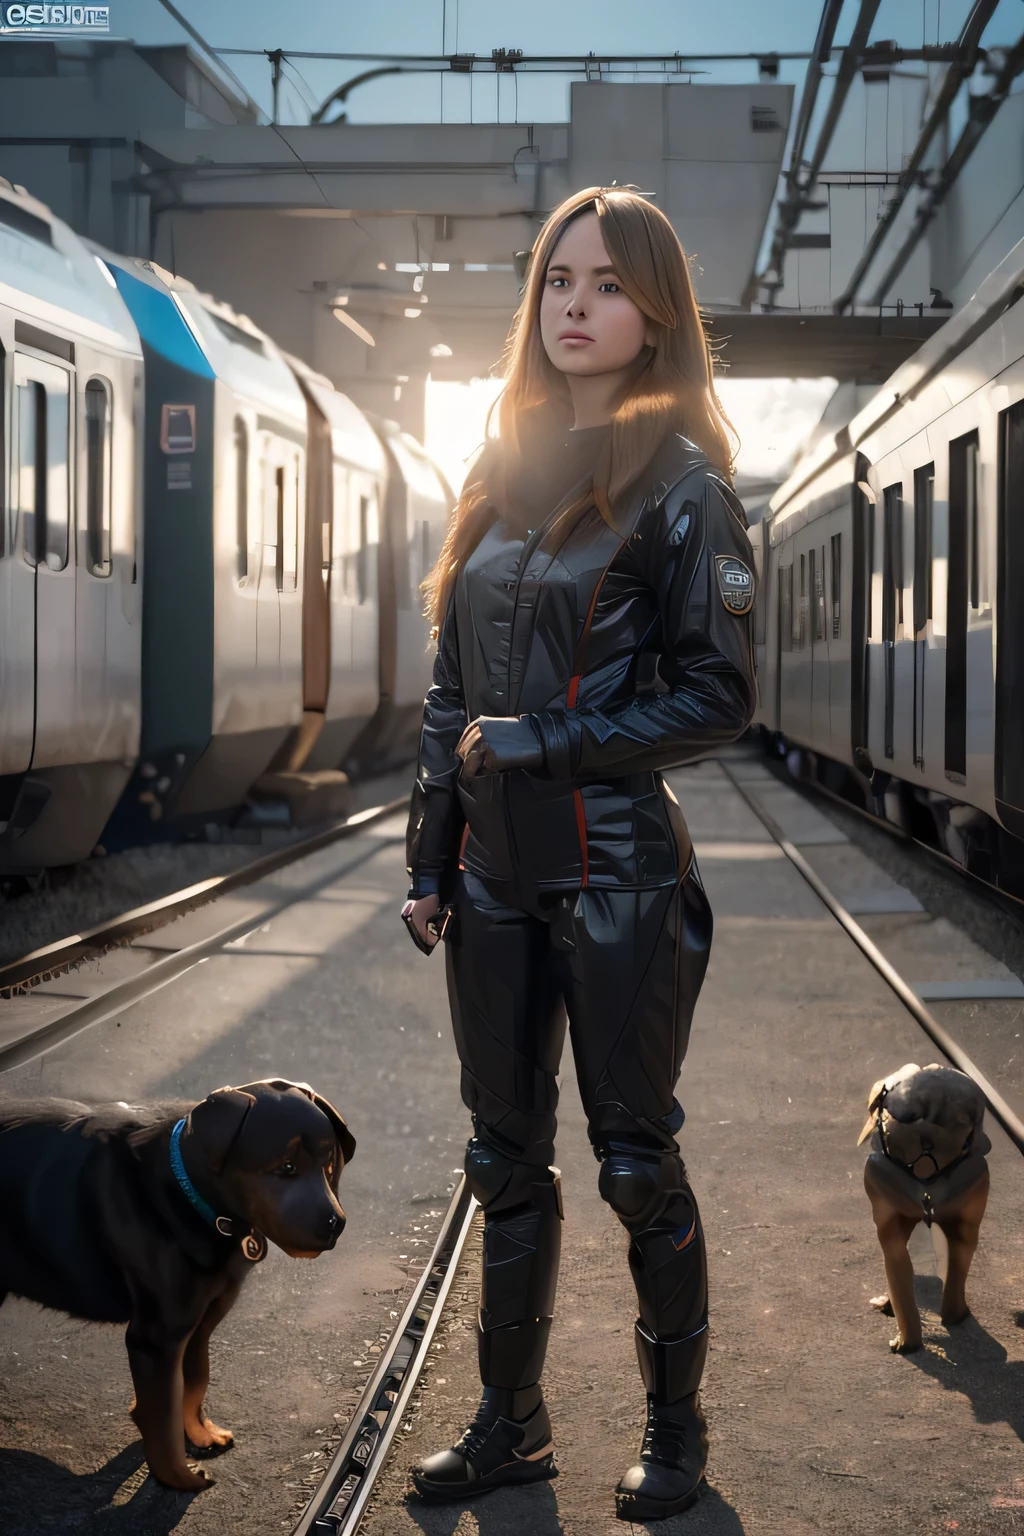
(195, 1199)
(253, 1244)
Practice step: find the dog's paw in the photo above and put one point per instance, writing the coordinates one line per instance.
(882, 1304)
(204, 1438)
(184, 1479)
(901, 1346)
(950, 1319)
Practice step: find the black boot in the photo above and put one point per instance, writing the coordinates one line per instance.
(509, 1441)
(674, 1453)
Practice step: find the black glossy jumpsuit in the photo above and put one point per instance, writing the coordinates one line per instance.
(573, 879)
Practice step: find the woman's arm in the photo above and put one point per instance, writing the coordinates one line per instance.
(435, 818)
(706, 661)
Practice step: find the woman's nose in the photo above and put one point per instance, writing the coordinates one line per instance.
(575, 307)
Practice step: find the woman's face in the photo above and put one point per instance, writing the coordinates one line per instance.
(588, 325)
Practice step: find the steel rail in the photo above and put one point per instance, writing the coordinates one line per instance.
(52, 959)
(338, 1505)
(1001, 1110)
(124, 994)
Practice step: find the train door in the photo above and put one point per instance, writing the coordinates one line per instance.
(17, 615)
(924, 512)
(961, 571)
(1010, 618)
(279, 562)
(42, 443)
(892, 601)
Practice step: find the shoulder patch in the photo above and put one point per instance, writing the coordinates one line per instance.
(735, 583)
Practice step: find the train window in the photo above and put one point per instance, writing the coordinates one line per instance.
(924, 512)
(363, 552)
(58, 500)
(962, 477)
(800, 637)
(892, 560)
(98, 419)
(241, 498)
(30, 477)
(837, 584)
(818, 585)
(286, 487)
(786, 607)
(973, 530)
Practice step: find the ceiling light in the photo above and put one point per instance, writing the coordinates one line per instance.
(413, 314)
(382, 266)
(440, 350)
(354, 327)
(417, 283)
(440, 266)
(342, 298)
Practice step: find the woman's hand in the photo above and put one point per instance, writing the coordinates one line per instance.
(477, 756)
(419, 912)
(498, 744)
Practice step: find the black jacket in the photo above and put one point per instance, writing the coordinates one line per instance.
(550, 642)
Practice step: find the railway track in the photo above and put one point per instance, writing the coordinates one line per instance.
(54, 959)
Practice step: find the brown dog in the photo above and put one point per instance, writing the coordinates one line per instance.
(153, 1216)
(927, 1163)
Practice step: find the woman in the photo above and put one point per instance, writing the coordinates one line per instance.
(598, 535)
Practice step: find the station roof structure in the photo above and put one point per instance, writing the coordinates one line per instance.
(830, 225)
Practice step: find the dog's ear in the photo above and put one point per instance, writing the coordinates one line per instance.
(216, 1122)
(874, 1099)
(346, 1140)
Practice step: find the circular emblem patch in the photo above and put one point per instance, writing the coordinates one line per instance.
(736, 584)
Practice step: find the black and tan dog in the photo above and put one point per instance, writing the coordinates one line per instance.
(153, 1216)
(927, 1163)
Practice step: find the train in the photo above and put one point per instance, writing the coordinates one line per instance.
(889, 618)
(210, 561)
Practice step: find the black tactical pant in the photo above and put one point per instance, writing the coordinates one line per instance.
(626, 967)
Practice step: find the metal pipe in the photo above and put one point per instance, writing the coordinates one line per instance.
(342, 92)
(790, 204)
(959, 70)
(982, 110)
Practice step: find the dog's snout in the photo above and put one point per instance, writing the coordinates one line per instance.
(335, 1226)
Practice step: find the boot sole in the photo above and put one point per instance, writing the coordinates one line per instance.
(629, 1506)
(514, 1474)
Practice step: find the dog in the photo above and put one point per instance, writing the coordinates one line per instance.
(927, 1163)
(154, 1216)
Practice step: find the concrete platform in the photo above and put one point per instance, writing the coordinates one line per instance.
(815, 1426)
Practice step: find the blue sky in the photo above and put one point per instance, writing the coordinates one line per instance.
(536, 26)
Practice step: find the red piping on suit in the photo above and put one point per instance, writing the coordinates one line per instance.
(570, 703)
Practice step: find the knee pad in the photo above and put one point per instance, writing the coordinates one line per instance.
(501, 1183)
(646, 1188)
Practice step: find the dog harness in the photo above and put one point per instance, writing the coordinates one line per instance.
(253, 1244)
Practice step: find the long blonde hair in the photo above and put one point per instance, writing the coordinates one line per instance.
(672, 390)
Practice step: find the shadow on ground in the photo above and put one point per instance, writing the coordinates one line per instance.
(507, 1512)
(970, 1360)
(121, 1499)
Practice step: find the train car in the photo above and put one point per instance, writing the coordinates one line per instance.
(70, 597)
(346, 483)
(889, 623)
(225, 467)
(413, 524)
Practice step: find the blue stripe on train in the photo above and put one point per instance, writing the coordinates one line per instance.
(160, 324)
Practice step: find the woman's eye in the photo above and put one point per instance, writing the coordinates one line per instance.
(559, 282)
(609, 288)
(287, 1170)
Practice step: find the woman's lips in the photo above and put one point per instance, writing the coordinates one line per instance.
(575, 338)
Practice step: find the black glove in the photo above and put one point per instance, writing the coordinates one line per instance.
(499, 743)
